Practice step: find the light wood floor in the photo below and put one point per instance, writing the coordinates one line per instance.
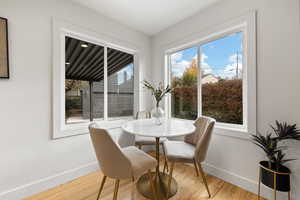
(190, 188)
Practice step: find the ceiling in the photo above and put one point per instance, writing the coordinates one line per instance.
(86, 63)
(148, 16)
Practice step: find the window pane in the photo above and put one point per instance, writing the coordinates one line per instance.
(77, 92)
(84, 69)
(120, 83)
(98, 100)
(221, 69)
(184, 72)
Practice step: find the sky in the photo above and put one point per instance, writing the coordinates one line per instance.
(129, 70)
(218, 57)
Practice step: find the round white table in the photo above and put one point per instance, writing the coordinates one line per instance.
(168, 128)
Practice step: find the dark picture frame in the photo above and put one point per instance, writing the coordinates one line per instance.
(4, 55)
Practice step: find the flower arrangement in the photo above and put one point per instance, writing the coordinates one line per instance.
(158, 92)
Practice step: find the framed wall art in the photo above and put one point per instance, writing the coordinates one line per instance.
(4, 59)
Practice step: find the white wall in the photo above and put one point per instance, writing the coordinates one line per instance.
(30, 160)
(278, 39)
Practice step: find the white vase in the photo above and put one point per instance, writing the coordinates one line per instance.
(158, 115)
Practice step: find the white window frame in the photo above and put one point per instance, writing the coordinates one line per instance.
(61, 29)
(247, 25)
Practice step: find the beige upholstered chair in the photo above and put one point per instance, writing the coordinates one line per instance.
(119, 163)
(193, 149)
(143, 141)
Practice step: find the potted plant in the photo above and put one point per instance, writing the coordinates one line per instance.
(158, 94)
(273, 173)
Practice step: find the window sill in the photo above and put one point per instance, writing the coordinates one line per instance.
(239, 133)
(82, 128)
(235, 131)
(221, 129)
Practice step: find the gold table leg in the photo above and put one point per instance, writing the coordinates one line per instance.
(157, 155)
(160, 182)
(258, 193)
(275, 186)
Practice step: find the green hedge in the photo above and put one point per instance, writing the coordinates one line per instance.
(221, 100)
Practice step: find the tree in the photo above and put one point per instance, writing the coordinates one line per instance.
(73, 84)
(189, 76)
(176, 82)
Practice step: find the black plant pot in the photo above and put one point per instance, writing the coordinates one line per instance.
(270, 175)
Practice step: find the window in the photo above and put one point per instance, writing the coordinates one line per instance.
(184, 70)
(85, 82)
(84, 63)
(222, 79)
(120, 84)
(214, 71)
(95, 77)
(212, 86)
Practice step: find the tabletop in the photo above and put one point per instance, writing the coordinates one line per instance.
(169, 128)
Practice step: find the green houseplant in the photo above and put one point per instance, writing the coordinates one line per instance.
(274, 149)
(158, 93)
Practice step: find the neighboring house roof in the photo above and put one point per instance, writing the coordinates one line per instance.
(209, 78)
(209, 74)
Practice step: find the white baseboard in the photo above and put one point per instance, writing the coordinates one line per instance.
(242, 182)
(61, 178)
(37, 186)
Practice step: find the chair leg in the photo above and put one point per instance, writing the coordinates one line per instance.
(170, 178)
(166, 163)
(133, 187)
(152, 185)
(101, 186)
(196, 168)
(116, 189)
(165, 166)
(204, 179)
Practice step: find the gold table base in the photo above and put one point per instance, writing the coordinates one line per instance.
(161, 183)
